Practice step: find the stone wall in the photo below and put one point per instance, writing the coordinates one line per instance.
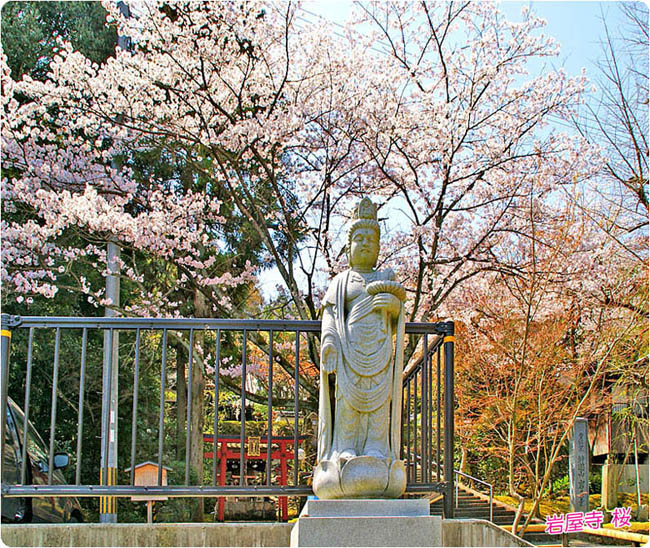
(142, 534)
(626, 484)
(457, 532)
(477, 532)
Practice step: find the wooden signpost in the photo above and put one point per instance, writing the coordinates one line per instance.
(146, 474)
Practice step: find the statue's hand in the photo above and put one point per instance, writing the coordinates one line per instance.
(328, 357)
(388, 302)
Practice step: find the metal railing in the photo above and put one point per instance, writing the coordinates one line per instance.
(428, 407)
(436, 467)
(419, 389)
(472, 478)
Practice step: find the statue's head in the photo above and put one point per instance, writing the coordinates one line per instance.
(363, 236)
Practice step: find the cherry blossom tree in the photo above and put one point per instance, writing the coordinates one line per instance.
(450, 124)
(229, 93)
(460, 130)
(616, 118)
(535, 352)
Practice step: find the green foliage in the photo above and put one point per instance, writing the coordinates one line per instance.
(492, 468)
(177, 509)
(259, 428)
(30, 31)
(595, 480)
(561, 485)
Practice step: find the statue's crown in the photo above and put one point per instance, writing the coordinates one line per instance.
(364, 215)
(365, 210)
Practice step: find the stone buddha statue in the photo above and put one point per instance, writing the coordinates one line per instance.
(362, 347)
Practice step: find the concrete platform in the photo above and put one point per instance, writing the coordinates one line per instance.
(367, 522)
(365, 508)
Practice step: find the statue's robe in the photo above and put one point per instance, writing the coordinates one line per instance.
(369, 364)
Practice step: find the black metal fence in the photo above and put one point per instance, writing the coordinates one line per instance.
(428, 414)
(428, 402)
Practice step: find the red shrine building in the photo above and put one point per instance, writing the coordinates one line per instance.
(256, 458)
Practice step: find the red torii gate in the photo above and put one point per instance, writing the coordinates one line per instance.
(224, 452)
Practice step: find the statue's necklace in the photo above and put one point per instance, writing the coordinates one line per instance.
(367, 277)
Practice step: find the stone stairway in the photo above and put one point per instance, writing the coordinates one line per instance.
(472, 504)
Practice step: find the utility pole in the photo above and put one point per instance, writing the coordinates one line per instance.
(108, 470)
(108, 473)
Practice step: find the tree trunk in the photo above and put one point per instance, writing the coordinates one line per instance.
(196, 412)
(511, 479)
(638, 479)
(181, 401)
(464, 466)
(520, 512)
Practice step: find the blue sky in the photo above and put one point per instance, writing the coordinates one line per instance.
(577, 25)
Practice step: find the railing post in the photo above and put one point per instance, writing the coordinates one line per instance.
(4, 375)
(491, 509)
(448, 342)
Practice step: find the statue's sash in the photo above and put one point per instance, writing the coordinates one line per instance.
(374, 363)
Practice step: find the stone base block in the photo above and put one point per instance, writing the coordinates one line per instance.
(360, 522)
(365, 508)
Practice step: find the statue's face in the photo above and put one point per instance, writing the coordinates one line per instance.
(364, 248)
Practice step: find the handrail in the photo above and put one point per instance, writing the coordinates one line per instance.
(472, 477)
(249, 324)
(459, 473)
(478, 480)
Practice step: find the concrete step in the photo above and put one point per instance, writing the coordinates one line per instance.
(475, 507)
(485, 515)
(482, 511)
(470, 505)
(498, 519)
(474, 502)
(542, 538)
(501, 520)
(485, 508)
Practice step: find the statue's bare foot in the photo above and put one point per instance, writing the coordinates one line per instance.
(347, 454)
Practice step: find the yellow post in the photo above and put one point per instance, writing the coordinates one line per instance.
(108, 505)
(4, 375)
